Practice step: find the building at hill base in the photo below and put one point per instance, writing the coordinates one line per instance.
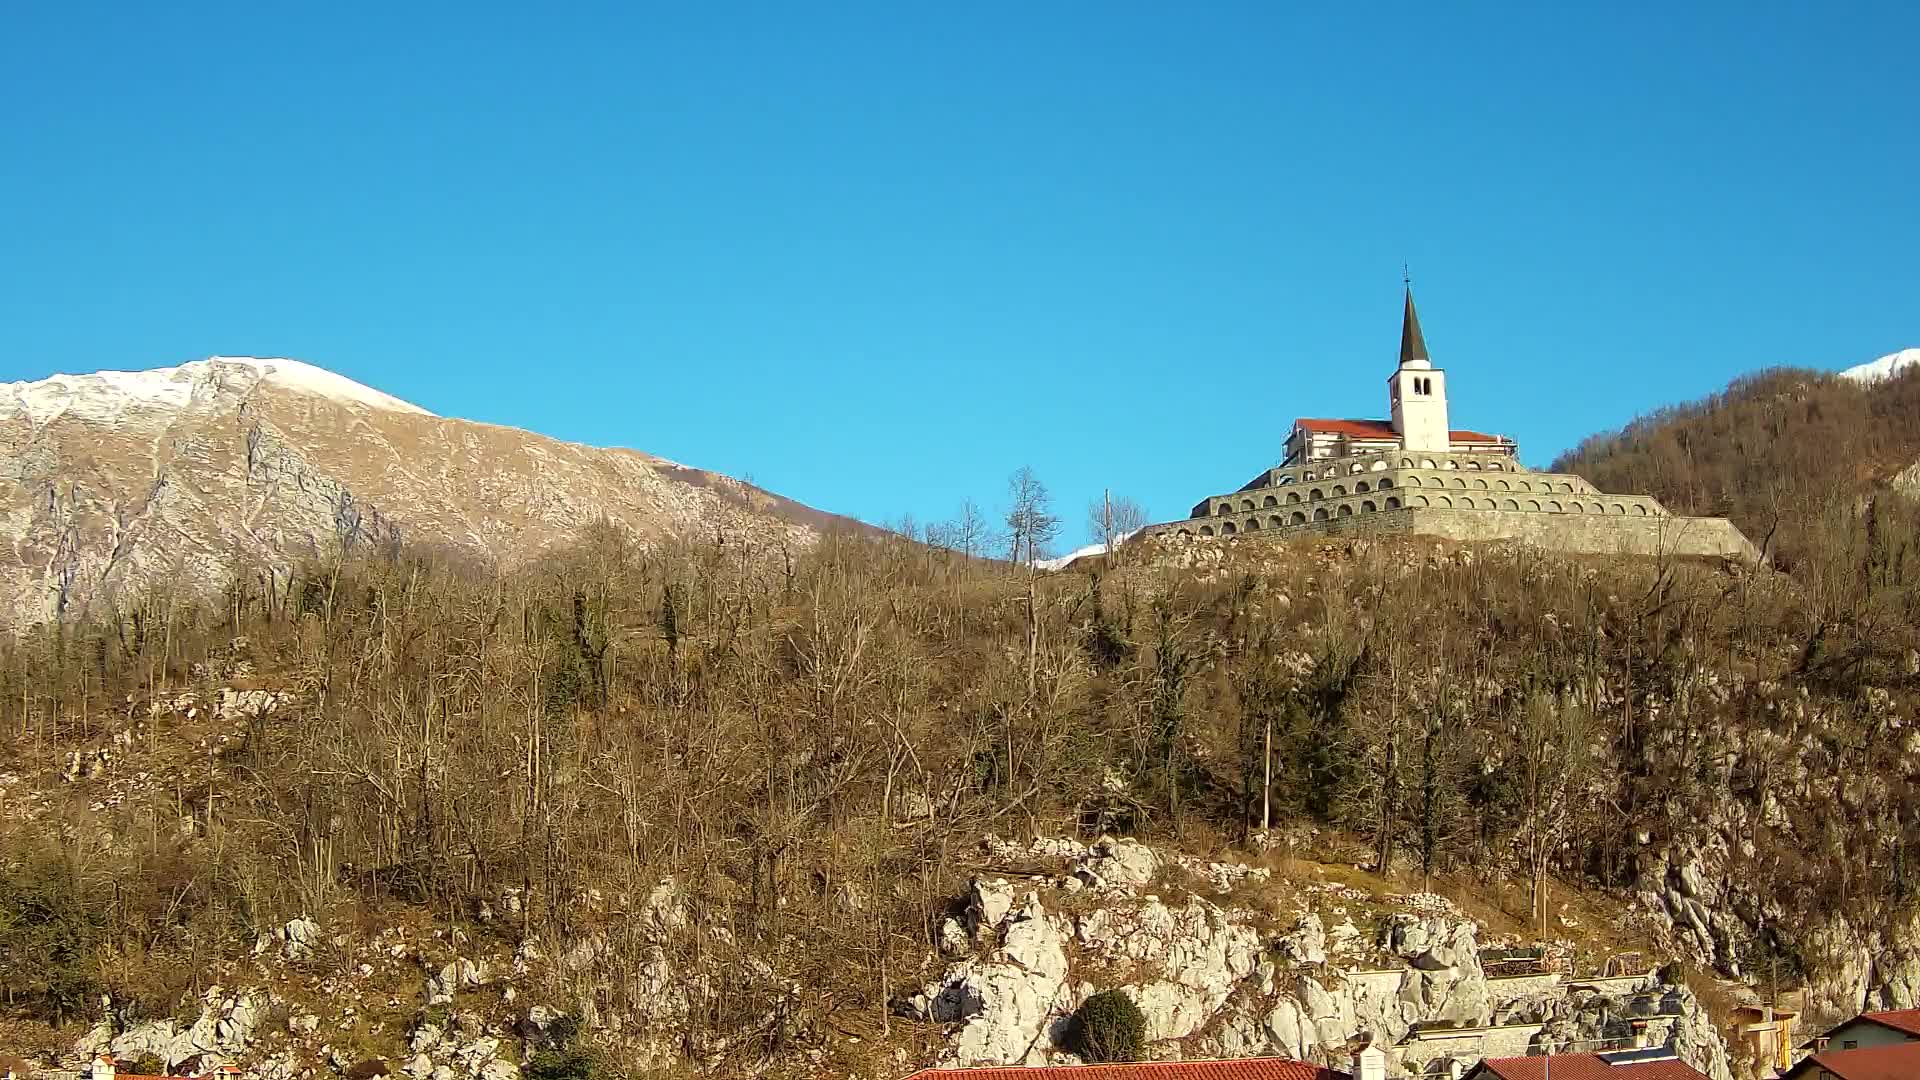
(1413, 474)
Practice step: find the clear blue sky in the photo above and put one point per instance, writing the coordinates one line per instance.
(876, 256)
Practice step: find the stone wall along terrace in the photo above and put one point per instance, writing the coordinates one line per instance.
(1608, 533)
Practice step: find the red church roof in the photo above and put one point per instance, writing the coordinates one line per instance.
(1379, 429)
(1245, 1069)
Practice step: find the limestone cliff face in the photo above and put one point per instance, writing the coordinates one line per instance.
(191, 475)
(1235, 974)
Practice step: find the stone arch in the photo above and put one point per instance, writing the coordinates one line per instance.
(1393, 502)
(1339, 490)
(1367, 507)
(1223, 509)
(1227, 528)
(1503, 485)
(1553, 506)
(1385, 483)
(1565, 486)
(1458, 482)
(1271, 500)
(1406, 463)
(1442, 500)
(1465, 503)
(1378, 464)
(1495, 466)
(1619, 509)
(1206, 530)
(1449, 464)
(1316, 495)
(1356, 467)
(1596, 508)
(1360, 487)
(1298, 518)
(1413, 481)
(1293, 497)
(1253, 524)
(1640, 508)
(1417, 500)
(1472, 464)
(1320, 514)
(1427, 463)
(1246, 504)
(1509, 504)
(1276, 522)
(1576, 508)
(1345, 510)
(1185, 534)
(1533, 505)
(1479, 483)
(1307, 476)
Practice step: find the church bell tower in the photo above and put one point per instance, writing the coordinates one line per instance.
(1419, 391)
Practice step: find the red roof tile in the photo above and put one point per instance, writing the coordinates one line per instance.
(1586, 1067)
(1907, 1020)
(1895, 1061)
(1245, 1069)
(1378, 429)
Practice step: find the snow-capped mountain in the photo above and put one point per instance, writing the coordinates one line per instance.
(1885, 367)
(187, 476)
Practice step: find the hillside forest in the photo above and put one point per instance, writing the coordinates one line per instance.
(800, 735)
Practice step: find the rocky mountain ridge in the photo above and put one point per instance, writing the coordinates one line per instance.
(191, 477)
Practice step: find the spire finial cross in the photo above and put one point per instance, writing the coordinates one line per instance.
(1406, 276)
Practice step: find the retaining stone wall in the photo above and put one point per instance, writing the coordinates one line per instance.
(1591, 534)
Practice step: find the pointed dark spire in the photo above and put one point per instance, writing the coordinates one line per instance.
(1412, 345)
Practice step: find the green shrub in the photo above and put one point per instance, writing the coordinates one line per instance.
(1108, 1027)
(563, 1058)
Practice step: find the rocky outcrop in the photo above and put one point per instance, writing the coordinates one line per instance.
(1220, 981)
(227, 1026)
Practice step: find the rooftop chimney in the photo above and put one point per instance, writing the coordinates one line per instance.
(1370, 1063)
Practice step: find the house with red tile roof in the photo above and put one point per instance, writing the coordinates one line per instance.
(1873, 1029)
(104, 1067)
(1887, 1061)
(1659, 1063)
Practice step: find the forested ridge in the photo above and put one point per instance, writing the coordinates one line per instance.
(1780, 451)
(808, 743)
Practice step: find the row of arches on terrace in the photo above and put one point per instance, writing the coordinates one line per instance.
(1381, 462)
(1296, 517)
(1226, 508)
(1288, 519)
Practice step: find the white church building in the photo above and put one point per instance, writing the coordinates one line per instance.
(1417, 403)
(1416, 474)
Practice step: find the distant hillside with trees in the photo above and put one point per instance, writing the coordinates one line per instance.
(1781, 452)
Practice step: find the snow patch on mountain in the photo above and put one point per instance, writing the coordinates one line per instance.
(107, 396)
(1884, 368)
(1068, 559)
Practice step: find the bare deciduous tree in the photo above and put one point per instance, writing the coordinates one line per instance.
(1112, 518)
(1031, 523)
